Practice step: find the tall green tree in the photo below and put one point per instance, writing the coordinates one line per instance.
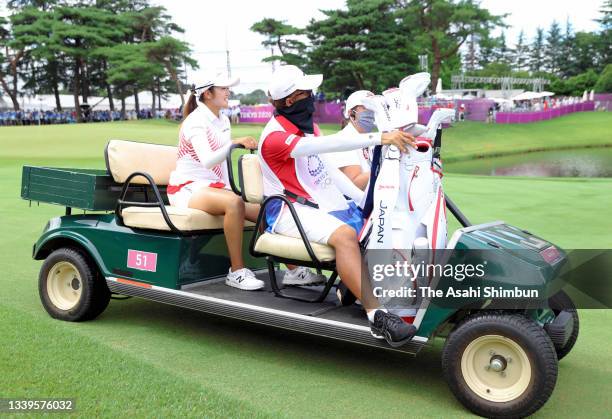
(503, 53)
(445, 25)
(521, 51)
(78, 32)
(585, 54)
(487, 48)
(361, 47)
(605, 20)
(43, 5)
(284, 37)
(32, 29)
(150, 25)
(126, 10)
(470, 57)
(604, 83)
(567, 51)
(173, 55)
(553, 51)
(130, 69)
(536, 53)
(11, 55)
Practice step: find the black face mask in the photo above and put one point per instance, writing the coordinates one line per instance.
(300, 114)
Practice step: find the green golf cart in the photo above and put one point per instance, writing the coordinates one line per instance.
(499, 362)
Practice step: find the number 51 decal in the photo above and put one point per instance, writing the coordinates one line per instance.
(143, 261)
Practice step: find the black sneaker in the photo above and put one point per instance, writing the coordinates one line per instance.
(392, 328)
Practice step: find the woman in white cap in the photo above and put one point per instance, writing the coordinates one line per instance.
(200, 179)
(355, 164)
(289, 150)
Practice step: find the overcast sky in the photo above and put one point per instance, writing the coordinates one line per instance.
(206, 27)
(208, 24)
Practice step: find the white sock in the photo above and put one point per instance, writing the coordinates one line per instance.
(372, 313)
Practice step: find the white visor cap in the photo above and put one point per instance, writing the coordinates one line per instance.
(210, 80)
(356, 99)
(288, 78)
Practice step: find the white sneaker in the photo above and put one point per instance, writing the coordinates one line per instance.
(243, 279)
(302, 276)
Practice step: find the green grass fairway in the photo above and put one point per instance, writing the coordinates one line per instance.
(586, 129)
(143, 359)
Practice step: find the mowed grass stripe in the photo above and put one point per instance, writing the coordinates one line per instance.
(42, 359)
(467, 140)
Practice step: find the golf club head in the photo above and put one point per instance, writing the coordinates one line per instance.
(379, 106)
(403, 112)
(439, 116)
(414, 85)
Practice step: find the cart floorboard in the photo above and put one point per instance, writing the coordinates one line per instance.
(328, 318)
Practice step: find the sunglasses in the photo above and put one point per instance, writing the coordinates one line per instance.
(300, 94)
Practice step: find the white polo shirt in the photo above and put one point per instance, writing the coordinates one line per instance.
(201, 134)
(360, 157)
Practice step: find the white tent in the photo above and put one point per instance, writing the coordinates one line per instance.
(546, 94)
(585, 96)
(501, 100)
(527, 96)
(439, 87)
(592, 95)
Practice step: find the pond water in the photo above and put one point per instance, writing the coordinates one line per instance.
(587, 162)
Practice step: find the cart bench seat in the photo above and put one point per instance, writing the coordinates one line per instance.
(185, 219)
(126, 157)
(292, 248)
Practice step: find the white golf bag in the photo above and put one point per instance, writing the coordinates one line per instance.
(408, 205)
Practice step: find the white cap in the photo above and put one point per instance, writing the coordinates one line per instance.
(288, 78)
(356, 99)
(210, 80)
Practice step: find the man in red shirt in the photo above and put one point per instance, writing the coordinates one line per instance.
(292, 158)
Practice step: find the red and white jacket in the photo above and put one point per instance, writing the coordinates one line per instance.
(204, 141)
(293, 161)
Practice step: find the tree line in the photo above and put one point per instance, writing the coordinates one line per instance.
(371, 44)
(110, 48)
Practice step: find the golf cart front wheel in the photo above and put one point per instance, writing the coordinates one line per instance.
(70, 288)
(500, 365)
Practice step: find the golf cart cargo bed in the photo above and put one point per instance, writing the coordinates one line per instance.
(328, 318)
(87, 189)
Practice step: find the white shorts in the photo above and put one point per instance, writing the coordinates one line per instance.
(181, 198)
(318, 225)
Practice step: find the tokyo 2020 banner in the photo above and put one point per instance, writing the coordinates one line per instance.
(325, 113)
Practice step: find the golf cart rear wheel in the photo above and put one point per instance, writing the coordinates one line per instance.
(70, 287)
(562, 302)
(500, 365)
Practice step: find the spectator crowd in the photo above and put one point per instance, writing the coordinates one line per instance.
(37, 117)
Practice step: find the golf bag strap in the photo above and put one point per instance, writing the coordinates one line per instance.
(375, 169)
(300, 199)
(437, 145)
